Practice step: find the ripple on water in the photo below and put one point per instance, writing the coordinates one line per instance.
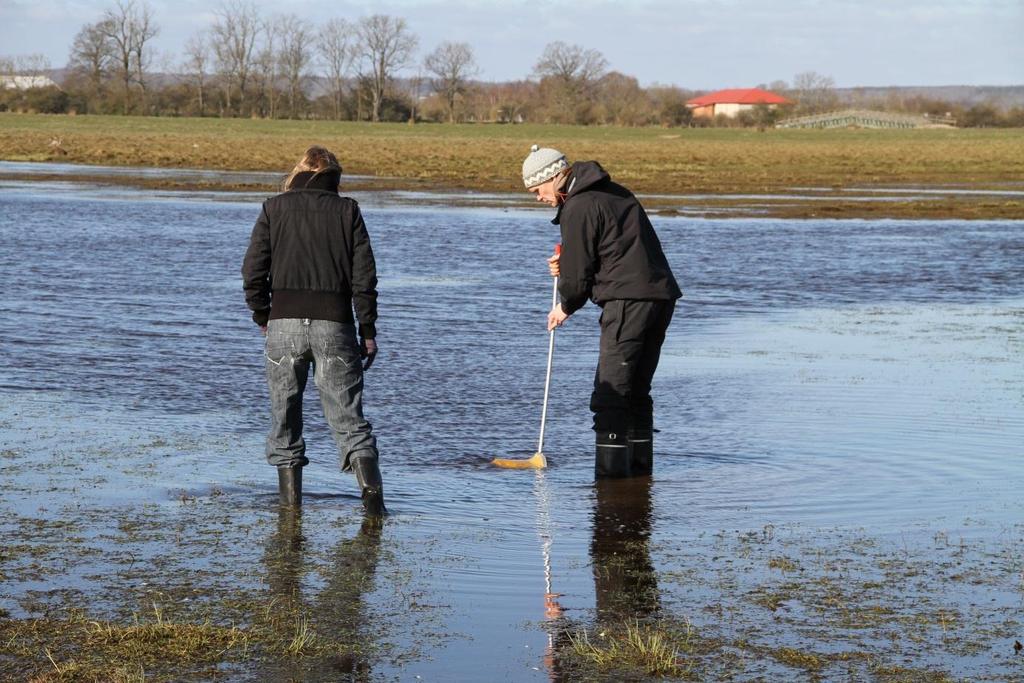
(849, 374)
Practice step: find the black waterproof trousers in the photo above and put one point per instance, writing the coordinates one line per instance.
(632, 333)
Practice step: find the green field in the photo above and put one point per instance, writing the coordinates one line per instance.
(488, 156)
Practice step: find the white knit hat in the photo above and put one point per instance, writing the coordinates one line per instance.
(541, 165)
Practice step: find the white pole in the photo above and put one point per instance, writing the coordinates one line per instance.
(547, 378)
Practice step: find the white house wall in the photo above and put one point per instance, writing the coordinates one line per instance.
(733, 110)
(729, 110)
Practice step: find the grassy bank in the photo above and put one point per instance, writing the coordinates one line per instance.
(488, 157)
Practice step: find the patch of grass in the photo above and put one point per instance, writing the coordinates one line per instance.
(770, 600)
(798, 658)
(488, 157)
(682, 653)
(304, 640)
(783, 564)
(79, 648)
(71, 670)
(899, 674)
(642, 647)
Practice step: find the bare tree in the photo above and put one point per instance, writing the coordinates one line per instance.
(265, 74)
(451, 64)
(197, 66)
(90, 60)
(622, 101)
(514, 101)
(234, 41)
(568, 76)
(35, 64)
(571, 63)
(814, 92)
(128, 28)
(117, 25)
(335, 41)
(294, 56)
(144, 29)
(363, 94)
(386, 45)
(415, 93)
(668, 104)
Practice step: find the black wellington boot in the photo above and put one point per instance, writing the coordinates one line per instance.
(368, 477)
(612, 456)
(641, 451)
(289, 485)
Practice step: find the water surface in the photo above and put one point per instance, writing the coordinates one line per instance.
(824, 384)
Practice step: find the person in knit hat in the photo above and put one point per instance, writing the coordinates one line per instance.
(541, 165)
(610, 255)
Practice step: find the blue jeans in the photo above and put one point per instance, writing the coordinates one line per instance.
(292, 345)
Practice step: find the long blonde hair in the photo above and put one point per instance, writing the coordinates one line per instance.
(316, 159)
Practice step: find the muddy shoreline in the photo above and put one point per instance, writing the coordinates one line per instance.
(967, 202)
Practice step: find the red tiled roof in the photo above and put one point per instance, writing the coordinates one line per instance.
(739, 96)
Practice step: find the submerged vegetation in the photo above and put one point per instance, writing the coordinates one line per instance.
(775, 605)
(853, 607)
(72, 645)
(76, 647)
(110, 571)
(140, 540)
(652, 650)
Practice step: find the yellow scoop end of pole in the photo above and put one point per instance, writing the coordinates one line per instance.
(537, 462)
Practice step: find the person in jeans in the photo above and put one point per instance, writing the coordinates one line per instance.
(611, 255)
(309, 262)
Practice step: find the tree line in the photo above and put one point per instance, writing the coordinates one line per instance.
(282, 66)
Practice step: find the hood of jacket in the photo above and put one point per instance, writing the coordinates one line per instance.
(326, 181)
(584, 175)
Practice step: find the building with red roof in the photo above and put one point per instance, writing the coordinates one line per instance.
(731, 102)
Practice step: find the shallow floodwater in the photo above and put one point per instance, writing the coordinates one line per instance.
(824, 384)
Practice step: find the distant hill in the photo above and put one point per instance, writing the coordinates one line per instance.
(1001, 96)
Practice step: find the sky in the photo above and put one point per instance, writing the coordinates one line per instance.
(696, 44)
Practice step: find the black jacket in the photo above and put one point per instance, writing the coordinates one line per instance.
(310, 257)
(609, 248)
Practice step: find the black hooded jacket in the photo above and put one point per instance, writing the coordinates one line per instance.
(609, 248)
(309, 257)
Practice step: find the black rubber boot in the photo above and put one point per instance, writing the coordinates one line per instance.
(289, 485)
(612, 456)
(641, 451)
(368, 477)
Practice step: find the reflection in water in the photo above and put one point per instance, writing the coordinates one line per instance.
(341, 608)
(625, 585)
(552, 608)
(338, 613)
(554, 663)
(284, 560)
(284, 563)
